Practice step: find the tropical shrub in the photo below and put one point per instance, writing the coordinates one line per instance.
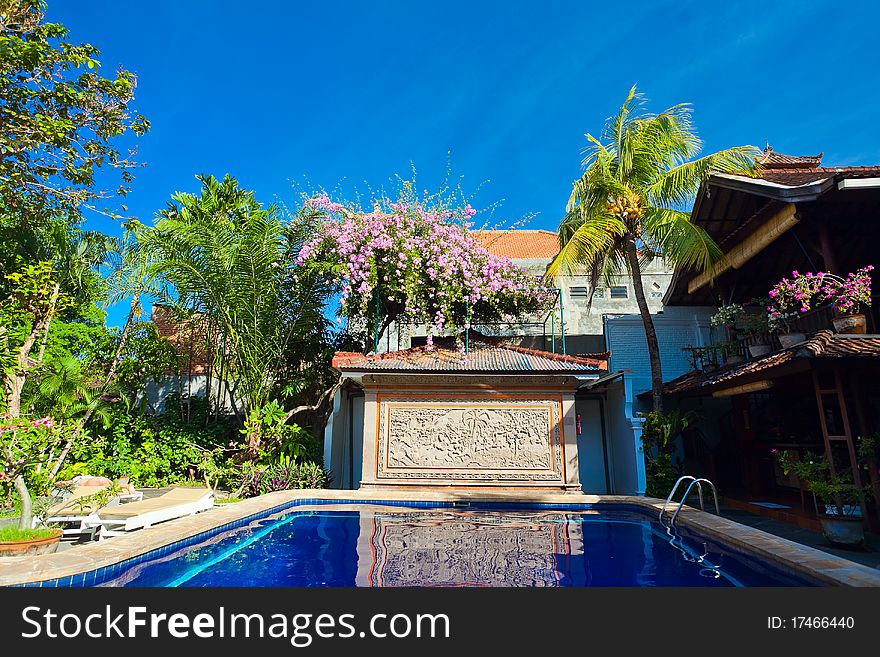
(151, 450)
(659, 432)
(26, 446)
(284, 474)
(831, 489)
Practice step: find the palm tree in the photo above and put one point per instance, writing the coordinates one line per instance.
(228, 265)
(626, 208)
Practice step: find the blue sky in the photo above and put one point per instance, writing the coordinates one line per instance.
(334, 93)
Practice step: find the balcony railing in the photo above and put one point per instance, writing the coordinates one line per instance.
(724, 350)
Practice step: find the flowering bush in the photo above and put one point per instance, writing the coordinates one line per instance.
(24, 444)
(422, 262)
(729, 315)
(846, 295)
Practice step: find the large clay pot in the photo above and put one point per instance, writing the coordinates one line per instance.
(848, 531)
(790, 339)
(853, 324)
(32, 547)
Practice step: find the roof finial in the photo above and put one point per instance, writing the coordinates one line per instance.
(768, 148)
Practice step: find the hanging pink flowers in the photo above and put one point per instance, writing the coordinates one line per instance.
(423, 262)
(801, 291)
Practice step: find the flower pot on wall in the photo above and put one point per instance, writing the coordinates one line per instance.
(790, 339)
(843, 530)
(853, 324)
(30, 547)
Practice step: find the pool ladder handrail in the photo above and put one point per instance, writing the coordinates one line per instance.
(695, 481)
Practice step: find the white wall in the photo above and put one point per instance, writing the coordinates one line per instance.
(157, 391)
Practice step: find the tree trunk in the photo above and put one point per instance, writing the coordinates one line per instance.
(111, 374)
(650, 332)
(27, 505)
(14, 383)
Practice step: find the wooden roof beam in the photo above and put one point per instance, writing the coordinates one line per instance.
(780, 222)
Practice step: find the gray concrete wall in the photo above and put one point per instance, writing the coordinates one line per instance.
(583, 319)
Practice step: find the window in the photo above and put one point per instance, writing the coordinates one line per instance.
(619, 292)
(599, 293)
(578, 293)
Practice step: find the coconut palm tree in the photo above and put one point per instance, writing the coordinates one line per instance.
(627, 207)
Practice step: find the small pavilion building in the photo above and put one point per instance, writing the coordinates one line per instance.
(495, 415)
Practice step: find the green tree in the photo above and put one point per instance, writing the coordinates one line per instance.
(626, 208)
(60, 121)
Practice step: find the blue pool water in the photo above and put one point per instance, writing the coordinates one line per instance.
(383, 546)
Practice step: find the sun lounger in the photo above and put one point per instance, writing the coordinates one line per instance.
(76, 509)
(176, 503)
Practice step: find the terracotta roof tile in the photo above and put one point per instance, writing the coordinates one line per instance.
(825, 344)
(519, 244)
(794, 177)
(773, 160)
(187, 338)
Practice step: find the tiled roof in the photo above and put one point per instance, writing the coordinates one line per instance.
(794, 177)
(485, 354)
(520, 244)
(773, 160)
(825, 344)
(794, 170)
(187, 338)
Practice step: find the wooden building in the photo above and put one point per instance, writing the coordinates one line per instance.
(818, 396)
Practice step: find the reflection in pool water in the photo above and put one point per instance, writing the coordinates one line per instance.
(374, 546)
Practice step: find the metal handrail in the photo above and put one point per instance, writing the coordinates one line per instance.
(694, 482)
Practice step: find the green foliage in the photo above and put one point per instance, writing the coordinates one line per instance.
(869, 448)
(152, 451)
(9, 533)
(284, 474)
(829, 488)
(146, 356)
(228, 263)
(58, 127)
(660, 475)
(626, 207)
(661, 429)
(266, 428)
(659, 432)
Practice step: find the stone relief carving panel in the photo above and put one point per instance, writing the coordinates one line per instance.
(517, 439)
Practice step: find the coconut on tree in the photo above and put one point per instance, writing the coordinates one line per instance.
(628, 206)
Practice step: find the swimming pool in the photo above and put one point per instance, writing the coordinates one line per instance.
(515, 545)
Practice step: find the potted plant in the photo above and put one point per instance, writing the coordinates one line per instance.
(730, 317)
(846, 296)
(841, 500)
(25, 446)
(756, 325)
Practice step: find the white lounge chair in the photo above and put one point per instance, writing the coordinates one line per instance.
(73, 512)
(178, 502)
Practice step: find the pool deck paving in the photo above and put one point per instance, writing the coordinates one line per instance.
(788, 555)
